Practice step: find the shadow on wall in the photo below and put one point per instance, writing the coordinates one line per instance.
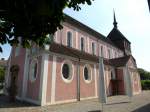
(145, 108)
(5, 103)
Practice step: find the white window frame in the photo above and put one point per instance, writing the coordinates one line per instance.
(71, 71)
(89, 73)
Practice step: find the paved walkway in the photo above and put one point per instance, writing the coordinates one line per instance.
(139, 103)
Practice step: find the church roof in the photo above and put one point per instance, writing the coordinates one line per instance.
(115, 35)
(72, 52)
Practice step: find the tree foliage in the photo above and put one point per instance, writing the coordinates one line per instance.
(32, 20)
(145, 75)
(145, 84)
(2, 74)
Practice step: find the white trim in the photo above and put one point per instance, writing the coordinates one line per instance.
(25, 75)
(87, 98)
(43, 79)
(71, 71)
(70, 101)
(45, 76)
(53, 80)
(125, 80)
(61, 102)
(95, 80)
(90, 73)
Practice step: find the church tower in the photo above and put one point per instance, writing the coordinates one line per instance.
(119, 39)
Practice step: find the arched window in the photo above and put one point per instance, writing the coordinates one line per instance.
(102, 54)
(109, 54)
(33, 70)
(69, 39)
(87, 74)
(93, 48)
(82, 44)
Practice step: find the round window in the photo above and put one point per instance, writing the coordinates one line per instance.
(87, 74)
(33, 70)
(67, 71)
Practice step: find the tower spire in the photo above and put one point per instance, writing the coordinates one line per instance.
(115, 22)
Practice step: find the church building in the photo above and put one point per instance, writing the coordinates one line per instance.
(68, 69)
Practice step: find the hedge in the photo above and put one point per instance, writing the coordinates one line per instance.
(145, 84)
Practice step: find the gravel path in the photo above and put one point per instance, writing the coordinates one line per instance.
(139, 103)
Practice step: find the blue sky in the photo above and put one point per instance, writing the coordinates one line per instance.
(133, 19)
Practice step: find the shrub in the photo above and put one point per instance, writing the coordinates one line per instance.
(145, 84)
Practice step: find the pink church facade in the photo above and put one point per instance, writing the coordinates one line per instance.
(68, 71)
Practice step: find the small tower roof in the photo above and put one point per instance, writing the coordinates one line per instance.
(115, 35)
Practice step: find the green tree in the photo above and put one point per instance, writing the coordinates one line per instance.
(32, 19)
(144, 75)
